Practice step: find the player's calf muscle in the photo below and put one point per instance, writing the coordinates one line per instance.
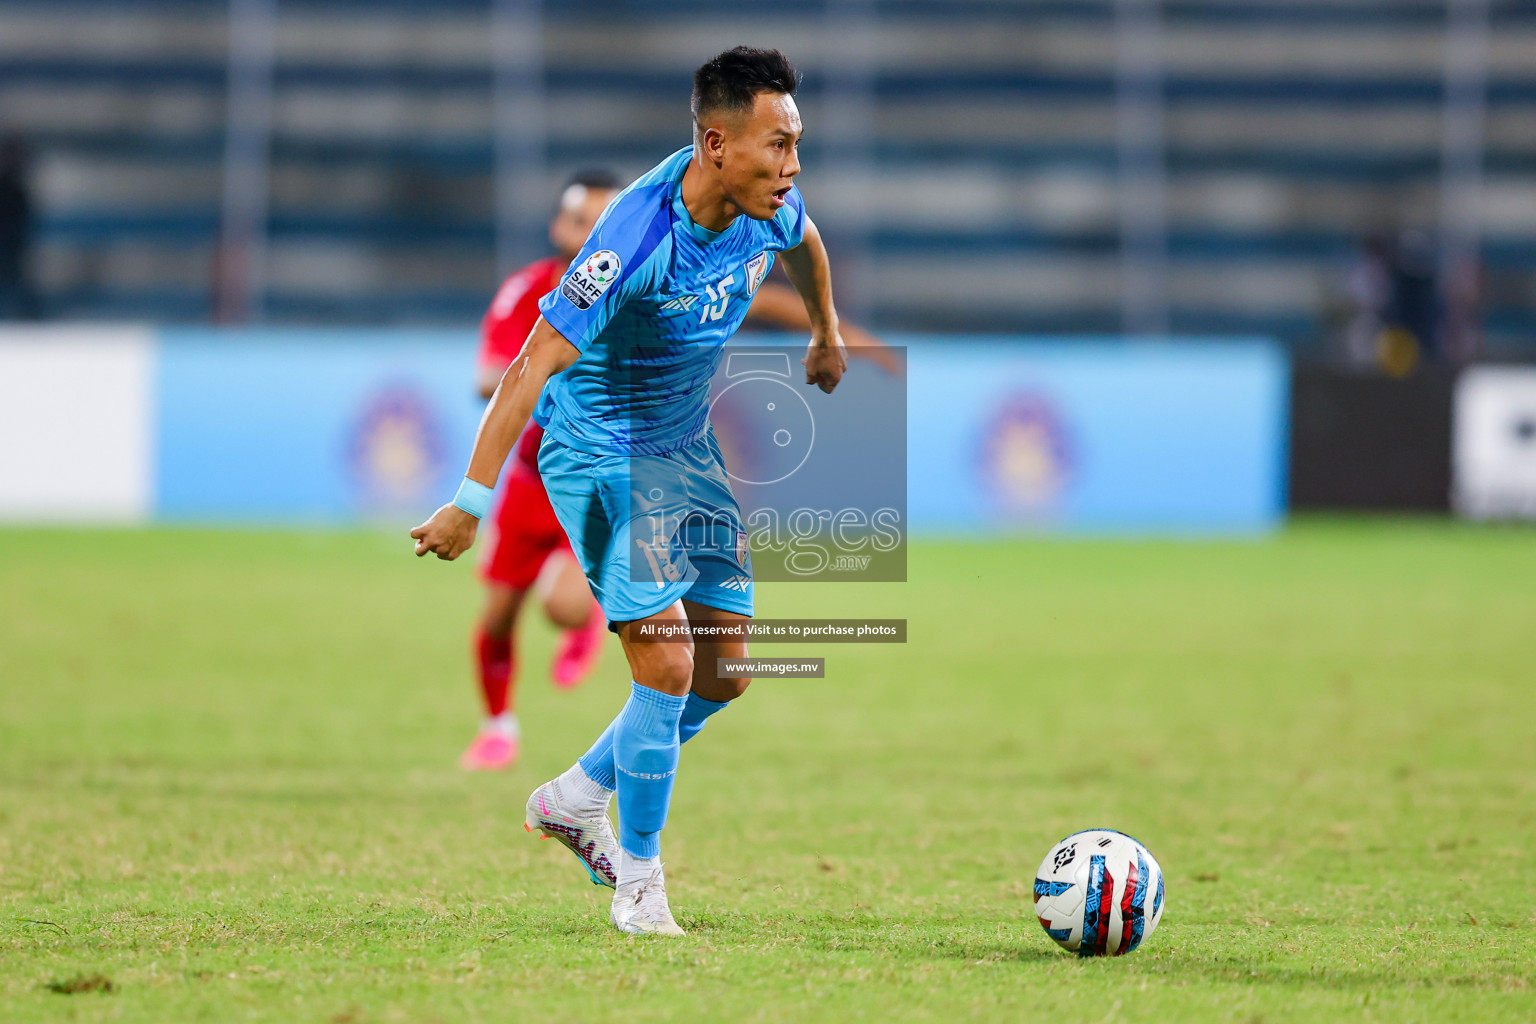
(500, 611)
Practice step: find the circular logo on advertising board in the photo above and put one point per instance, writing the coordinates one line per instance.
(1025, 457)
(396, 452)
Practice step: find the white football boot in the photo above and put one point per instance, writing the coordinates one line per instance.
(590, 837)
(640, 907)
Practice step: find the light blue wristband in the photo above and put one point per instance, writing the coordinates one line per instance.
(473, 498)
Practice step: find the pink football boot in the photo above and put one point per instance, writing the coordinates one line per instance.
(491, 751)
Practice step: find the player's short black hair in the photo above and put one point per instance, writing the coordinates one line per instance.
(732, 80)
(594, 177)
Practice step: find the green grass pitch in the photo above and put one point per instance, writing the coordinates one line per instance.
(228, 789)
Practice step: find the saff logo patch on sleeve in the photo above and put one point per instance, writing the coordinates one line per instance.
(589, 279)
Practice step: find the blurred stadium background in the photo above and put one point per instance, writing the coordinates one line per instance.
(1193, 166)
(1353, 181)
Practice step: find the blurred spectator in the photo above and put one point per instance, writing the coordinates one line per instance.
(17, 299)
(1368, 292)
(1397, 319)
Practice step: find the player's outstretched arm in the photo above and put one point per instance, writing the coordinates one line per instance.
(811, 274)
(451, 530)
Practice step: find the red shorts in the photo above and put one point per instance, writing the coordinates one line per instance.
(527, 532)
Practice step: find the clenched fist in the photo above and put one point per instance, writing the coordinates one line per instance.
(448, 534)
(825, 362)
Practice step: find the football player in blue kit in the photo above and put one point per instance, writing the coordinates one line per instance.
(617, 369)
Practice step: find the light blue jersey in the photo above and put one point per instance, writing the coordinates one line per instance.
(628, 459)
(649, 303)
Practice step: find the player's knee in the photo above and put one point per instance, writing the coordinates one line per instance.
(668, 668)
(568, 611)
(730, 687)
(719, 672)
(712, 684)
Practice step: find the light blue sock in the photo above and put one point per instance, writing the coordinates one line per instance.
(598, 761)
(645, 756)
(695, 713)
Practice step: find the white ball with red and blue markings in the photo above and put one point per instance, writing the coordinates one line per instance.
(1099, 893)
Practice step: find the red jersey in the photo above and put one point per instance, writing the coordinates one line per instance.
(506, 325)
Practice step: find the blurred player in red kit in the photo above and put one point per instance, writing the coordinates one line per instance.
(529, 547)
(529, 550)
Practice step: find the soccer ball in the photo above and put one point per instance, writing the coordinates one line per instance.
(602, 266)
(1099, 893)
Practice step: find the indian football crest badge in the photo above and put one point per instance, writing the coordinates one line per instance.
(757, 269)
(586, 281)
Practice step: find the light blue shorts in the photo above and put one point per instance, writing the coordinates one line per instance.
(650, 529)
